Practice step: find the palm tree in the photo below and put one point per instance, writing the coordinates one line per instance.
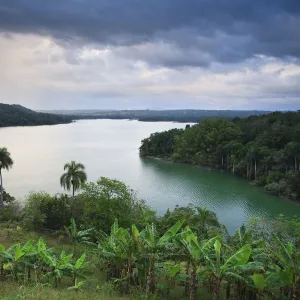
(74, 177)
(6, 163)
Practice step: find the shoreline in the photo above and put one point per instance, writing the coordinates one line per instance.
(207, 168)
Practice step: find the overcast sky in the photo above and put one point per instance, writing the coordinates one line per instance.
(159, 54)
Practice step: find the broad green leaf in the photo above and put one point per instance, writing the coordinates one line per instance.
(50, 261)
(241, 257)
(174, 270)
(28, 246)
(19, 253)
(66, 259)
(41, 245)
(286, 276)
(285, 251)
(80, 261)
(2, 248)
(259, 281)
(135, 231)
(206, 245)
(6, 255)
(217, 246)
(62, 254)
(171, 232)
(115, 227)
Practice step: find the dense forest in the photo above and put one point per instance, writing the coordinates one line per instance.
(17, 115)
(180, 115)
(263, 149)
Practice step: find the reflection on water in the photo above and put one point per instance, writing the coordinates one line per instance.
(233, 199)
(110, 148)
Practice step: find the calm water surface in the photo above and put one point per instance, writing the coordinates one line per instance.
(110, 148)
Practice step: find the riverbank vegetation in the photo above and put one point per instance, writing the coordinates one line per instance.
(263, 149)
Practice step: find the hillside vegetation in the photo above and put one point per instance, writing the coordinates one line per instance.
(17, 115)
(263, 149)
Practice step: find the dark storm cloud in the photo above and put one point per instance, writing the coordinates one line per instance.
(200, 31)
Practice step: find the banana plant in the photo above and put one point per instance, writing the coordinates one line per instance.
(287, 258)
(112, 256)
(152, 246)
(77, 286)
(12, 259)
(232, 269)
(77, 270)
(129, 248)
(171, 273)
(77, 236)
(194, 253)
(20, 260)
(58, 266)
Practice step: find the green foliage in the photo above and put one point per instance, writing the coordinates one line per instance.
(108, 199)
(22, 261)
(201, 220)
(43, 211)
(79, 236)
(11, 209)
(263, 149)
(252, 263)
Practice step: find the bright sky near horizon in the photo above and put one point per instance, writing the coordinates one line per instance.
(137, 54)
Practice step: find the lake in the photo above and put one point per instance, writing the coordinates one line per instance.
(110, 148)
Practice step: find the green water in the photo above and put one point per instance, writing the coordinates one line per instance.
(110, 148)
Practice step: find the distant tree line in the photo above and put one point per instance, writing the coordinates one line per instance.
(17, 115)
(263, 149)
(146, 115)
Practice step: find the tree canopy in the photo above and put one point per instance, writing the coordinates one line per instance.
(263, 149)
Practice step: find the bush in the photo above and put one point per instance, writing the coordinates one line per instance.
(108, 199)
(11, 209)
(274, 176)
(278, 189)
(43, 211)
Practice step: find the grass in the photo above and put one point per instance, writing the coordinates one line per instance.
(11, 291)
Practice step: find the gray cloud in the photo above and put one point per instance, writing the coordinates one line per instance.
(217, 54)
(194, 32)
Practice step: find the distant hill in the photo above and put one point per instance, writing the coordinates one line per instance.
(17, 115)
(180, 115)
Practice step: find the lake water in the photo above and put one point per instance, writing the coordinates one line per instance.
(110, 148)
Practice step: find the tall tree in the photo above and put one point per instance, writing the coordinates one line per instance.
(74, 176)
(6, 163)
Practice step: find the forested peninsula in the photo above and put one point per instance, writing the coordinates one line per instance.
(263, 149)
(17, 115)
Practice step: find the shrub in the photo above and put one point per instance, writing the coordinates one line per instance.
(277, 189)
(43, 211)
(108, 199)
(11, 209)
